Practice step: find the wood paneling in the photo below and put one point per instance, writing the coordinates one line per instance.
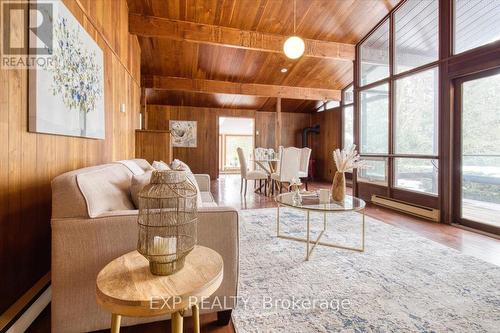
(158, 82)
(227, 101)
(264, 127)
(326, 142)
(292, 126)
(29, 161)
(153, 145)
(203, 158)
(342, 21)
(151, 26)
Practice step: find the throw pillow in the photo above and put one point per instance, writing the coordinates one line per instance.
(160, 165)
(138, 183)
(179, 165)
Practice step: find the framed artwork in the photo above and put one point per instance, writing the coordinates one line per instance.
(67, 95)
(183, 133)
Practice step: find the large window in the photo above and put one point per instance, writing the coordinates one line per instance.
(348, 117)
(426, 109)
(416, 174)
(375, 171)
(480, 150)
(476, 23)
(374, 124)
(416, 34)
(375, 55)
(398, 117)
(416, 113)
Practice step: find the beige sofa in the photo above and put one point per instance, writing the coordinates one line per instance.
(94, 221)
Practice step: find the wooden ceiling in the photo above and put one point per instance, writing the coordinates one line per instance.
(240, 41)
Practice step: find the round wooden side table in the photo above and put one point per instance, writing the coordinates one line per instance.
(126, 287)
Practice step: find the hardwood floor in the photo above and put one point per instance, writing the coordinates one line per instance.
(226, 192)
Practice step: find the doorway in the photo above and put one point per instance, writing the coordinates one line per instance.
(235, 132)
(477, 156)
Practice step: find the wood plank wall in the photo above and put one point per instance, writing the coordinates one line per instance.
(29, 161)
(326, 142)
(203, 159)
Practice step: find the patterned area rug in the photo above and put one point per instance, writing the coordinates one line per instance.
(401, 283)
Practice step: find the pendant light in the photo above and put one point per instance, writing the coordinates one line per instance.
(294, 46)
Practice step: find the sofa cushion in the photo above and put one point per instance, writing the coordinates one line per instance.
(137, 184)
(106, 189)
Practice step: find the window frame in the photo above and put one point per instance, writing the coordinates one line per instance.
(391, 187)
(452, 28)
(343, 106)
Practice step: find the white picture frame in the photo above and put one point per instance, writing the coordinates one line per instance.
(184, 133)
(67, 97)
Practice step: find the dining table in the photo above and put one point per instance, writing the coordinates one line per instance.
(269, 166)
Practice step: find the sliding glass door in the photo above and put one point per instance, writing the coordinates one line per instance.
(477, 200)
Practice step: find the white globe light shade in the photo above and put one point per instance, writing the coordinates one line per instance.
(294, 47)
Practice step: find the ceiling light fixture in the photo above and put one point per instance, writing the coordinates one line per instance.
(284, 70)
(294, 46)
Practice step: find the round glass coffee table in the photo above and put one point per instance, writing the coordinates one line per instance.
(311, 203)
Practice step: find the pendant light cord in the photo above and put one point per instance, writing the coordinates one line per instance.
(294, 16)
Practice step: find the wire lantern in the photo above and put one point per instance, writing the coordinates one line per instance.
(168, 218)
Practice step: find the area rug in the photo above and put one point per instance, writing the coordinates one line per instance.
(401, 283)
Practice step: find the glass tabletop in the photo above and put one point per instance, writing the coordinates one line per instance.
(265, 160)
(312, 202)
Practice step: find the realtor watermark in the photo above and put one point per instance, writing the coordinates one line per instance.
(27, 34)
(291, 303)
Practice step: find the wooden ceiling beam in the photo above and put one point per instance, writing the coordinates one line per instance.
(157, 27)
(225, 87)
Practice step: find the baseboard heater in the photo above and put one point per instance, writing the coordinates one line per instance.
(406, 207)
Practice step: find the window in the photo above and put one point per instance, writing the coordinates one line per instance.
(480, 136)
(375, 55)
(416, 114)
(416, 34)
(374, 129)
(231, 143)
(348, 117)
(348, 126)
(416, 174)
(375, 171)
(476, 23)
(348, 95)
(331, 105)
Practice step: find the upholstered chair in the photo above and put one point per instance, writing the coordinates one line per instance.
(305, 156)
(247, 175)
(288, 169)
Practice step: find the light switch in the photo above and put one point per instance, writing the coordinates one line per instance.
(122, 108)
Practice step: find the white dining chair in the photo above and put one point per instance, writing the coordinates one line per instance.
(288, 169)
(305, 156)
(247, 175)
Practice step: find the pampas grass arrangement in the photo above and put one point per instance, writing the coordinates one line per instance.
(345, 160)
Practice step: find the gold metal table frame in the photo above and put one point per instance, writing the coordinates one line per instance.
(311, 244)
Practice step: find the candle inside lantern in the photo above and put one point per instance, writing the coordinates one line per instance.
(164, 246)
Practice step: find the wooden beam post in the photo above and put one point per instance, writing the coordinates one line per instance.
(158, 27)
(278, 124)
(226, 87)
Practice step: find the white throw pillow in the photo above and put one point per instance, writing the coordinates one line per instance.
(179, 165)
(138, 183)
(160, 166)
